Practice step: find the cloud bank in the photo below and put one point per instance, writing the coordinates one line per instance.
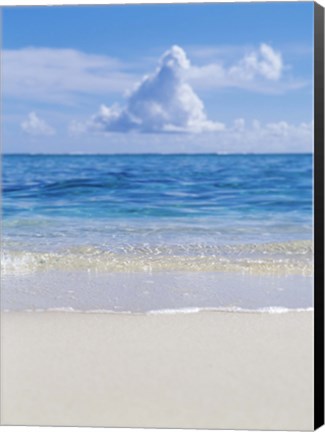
(34, 125)
(266, 137)
(239, 136)
(61, 75)
(162, 102)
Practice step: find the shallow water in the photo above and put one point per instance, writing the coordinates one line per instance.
(159, 291)
(188, 218)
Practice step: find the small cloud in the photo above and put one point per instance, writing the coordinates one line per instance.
(239, 124)
(76, 128)
(162, 102)
(36, 126)
(265, 62)
(260, 70)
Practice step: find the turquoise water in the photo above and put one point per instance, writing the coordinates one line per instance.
(250, 196)
(168, 214)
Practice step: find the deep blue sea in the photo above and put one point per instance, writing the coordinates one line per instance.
(200, 216)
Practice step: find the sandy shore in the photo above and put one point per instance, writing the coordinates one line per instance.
(200, 370)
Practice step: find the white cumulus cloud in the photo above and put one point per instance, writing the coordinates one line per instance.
(265, 62)
(34, 125)
(161, 102)
(260, 69)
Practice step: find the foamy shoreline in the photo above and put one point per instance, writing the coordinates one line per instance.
(192, 370)
(190, 310)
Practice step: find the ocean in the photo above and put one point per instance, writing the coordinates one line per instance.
(157, 233)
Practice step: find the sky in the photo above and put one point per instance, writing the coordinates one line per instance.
(186, 78)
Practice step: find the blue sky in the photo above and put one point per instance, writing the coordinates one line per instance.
(161, 78)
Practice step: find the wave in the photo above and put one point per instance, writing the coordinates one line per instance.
(285, 258)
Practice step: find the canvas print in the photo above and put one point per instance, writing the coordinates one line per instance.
(157, 232)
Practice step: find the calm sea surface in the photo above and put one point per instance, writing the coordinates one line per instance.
(190, 218)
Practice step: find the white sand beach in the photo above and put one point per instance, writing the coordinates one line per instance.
(196, 370)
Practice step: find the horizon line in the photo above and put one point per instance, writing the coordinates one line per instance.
(153, 154)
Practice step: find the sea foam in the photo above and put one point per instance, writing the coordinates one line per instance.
(270, 258)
